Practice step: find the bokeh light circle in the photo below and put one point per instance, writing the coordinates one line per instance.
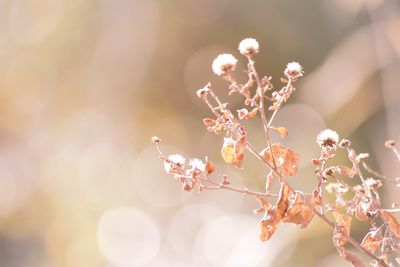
(128, 237)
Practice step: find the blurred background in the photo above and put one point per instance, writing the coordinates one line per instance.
(85, 83)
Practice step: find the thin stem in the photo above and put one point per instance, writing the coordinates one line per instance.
(244, 191)
(396, 152)
(262, 110)
(350, 187)
(381, 176)
(250, 148)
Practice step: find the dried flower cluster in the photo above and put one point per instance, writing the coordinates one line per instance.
(361, 202)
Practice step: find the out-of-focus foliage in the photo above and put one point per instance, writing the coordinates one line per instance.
(85, 83)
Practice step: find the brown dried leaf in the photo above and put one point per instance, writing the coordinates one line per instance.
(209, 122)
(264, 205)
(252, 114)
(352, 257)
(273, 216)
(283, 201)
(317, 196)
(282, 131)
(245, 114)
(285, 159)
(342, 229)
(392, 223)
(299, 212)
(372, 240)
(233, 151)
(366, 209)
(345, 171)
(268, 225)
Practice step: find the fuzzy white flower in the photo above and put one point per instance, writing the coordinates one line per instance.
(372, 183)
(249, 46)
(224, 64)
(198, 165)
(294, 70)
(176, 162)
(328, 138)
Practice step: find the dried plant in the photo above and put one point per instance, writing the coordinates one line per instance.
(361, 202)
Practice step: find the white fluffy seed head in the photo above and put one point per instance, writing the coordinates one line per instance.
(248, 46)
(175, 159)
(294, 70)
(224, 64)
(328, 138)
(198, 165)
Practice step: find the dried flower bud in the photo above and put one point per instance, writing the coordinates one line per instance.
(329, 171)
(248, 47)
(294, 70)
(224, 64)
(155, 139)
(373, 184)
(202, 92)
(186, 186)
(328, 139)
(174, 163)
(390, 143)
(344, 143)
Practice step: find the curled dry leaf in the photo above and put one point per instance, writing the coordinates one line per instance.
(245, 114)
(268, 224)
(392, 223)
(282, 131)
(342, 229)
(345, 171)
(366, 209)
(317, 196)
(233, 151)
(286, 160)
(372, 240)
(283, 201)
(299, 212)
(209, 122)
(351, 257)
(273, 216)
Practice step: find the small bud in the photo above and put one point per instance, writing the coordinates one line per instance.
(202, 92)
(155, 140)
(316, 161)
(390, 143)
(224, 64)
(248, 47)
(186, 186)
(344, 143)
(329, 171)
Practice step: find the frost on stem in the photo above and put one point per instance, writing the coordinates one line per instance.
(359, 201)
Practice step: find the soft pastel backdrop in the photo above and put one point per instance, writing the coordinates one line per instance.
(85, 83)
